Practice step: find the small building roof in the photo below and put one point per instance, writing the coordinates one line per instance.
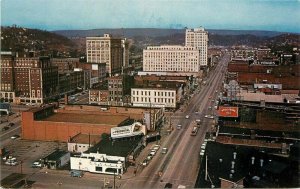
(55, 155)
(85, 139)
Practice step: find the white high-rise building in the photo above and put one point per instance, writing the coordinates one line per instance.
(171, 59)
(198, 38)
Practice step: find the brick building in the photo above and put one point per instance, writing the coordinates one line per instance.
(47, 125)
(33, 80)
(7, 77)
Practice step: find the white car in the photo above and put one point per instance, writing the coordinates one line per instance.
(187, 117)
(156, 147)
(14, 137)
(153, 152)
(206, 116)
(36, 164)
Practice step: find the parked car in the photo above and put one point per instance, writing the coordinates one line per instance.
(5, 128)
(153, 152)
(76, 173)
(187, 117)
(11, 124)
(156, 147)
(36, 164)
(15, 137)
(145, 162)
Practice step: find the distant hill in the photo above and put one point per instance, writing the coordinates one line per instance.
(156, 32)
(143, 37)
(24, 40)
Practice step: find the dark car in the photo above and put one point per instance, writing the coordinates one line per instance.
(168, 185)
(11, 124)
(5, 128)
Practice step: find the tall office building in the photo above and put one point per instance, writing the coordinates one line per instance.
(198, 38)
(171, 59)
(106, 50)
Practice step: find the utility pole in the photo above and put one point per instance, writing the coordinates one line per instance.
(114, 179)
(206, 168)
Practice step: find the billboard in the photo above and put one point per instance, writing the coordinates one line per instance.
(128, 131)
(225, 111)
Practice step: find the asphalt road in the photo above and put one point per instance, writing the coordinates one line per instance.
(181, 164)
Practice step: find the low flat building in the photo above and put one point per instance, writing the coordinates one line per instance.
(107, 157)
(57, 159)
(47, 125)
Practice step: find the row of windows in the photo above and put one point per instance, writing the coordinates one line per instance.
(158, 100)
(156, 93)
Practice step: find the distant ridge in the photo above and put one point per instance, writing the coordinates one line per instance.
(156, 32)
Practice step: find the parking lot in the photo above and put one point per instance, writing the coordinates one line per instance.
(26, 152)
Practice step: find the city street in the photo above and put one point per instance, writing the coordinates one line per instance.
(181, 164)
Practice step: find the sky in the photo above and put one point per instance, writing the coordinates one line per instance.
(271, 15)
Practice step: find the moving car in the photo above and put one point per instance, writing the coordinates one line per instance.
(179, 126)
(164, 150)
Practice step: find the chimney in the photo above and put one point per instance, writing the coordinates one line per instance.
(234, 155)
(252, 160)
(232, 164)
(261, 162)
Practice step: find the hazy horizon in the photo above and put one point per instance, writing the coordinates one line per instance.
(52, 15)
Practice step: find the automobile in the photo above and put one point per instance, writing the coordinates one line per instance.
(11, 162)
(212, 100)
(15, 137)
(5, 128)
(145, 162)
(164, 150)
(153, 152)
(187, 117)
(149, 157)
(168, 185)
(209, 107)
(206, 116)
(11, 124)
(196, 112)
(179, 126)
(211, 117)
(36, 164)
(156, 147)
(76, 173)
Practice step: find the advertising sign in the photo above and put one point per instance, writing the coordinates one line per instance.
(128, 131)
(228, 111)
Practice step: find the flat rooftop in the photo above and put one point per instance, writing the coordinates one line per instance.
(85, 139)
(56, 155)
(87, 118)
(120, 148)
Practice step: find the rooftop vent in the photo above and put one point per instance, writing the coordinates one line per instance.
(232, 164)
(261, 162)
(252, 160)
(234, 155)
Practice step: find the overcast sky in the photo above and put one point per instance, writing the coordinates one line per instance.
(275, 15)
